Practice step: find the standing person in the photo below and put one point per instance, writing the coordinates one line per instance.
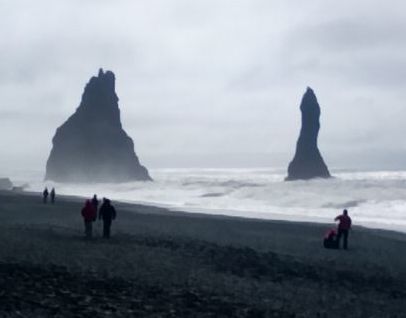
(95, 203)
(108, 214)
(53, 195)
(344, 227)
(45, 195)
(89, 216)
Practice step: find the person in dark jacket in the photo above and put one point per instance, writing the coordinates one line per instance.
(95, 203)
(108, 213)
(89, 215)
(45, 195)
(344, 227)
(53, 194)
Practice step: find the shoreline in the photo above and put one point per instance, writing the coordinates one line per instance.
(164, 211)
(224, 213)
(161, 263)
(375, 199)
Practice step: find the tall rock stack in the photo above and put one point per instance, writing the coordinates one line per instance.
(308, 162)
(91, 146)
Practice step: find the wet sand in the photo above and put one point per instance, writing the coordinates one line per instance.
(160, 263)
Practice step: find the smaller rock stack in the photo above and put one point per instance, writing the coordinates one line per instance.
(308, 162)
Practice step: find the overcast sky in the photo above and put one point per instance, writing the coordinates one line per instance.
(209, 83)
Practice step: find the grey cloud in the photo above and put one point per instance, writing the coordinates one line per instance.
(195, 77)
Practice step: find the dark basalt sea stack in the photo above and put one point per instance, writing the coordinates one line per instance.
(91, 146)
(308, 163)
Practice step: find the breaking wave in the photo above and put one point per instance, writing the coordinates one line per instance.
(374, 198)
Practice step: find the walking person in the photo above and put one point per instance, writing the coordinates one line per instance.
(344, 227)
(53, 195)
(45, 195)
(95, 203)
(89, 216)
(108, 213)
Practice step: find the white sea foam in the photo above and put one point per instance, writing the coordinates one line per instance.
(374, 198)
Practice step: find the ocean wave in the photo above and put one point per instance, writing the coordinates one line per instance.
(212, 195)
(377, 197)
(347, 205)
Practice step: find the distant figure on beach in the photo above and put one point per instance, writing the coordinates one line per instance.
(45, 195)
(108, 213)
(53, 195)
(344, 227)
(95, 202)
(89, 215)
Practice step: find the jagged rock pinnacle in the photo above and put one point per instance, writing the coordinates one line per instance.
(91, 146)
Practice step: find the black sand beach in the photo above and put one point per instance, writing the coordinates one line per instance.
(171, 264)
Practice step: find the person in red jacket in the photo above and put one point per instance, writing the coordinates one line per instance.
(89, 216)
(330, 239)
(344, 227)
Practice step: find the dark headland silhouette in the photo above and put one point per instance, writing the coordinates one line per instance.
(308, 162)
(5, 184)
(91, 146)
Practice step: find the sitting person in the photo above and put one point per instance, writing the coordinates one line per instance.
(330, 239)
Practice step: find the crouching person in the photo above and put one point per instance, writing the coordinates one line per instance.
(89, 216)
(330, 239)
